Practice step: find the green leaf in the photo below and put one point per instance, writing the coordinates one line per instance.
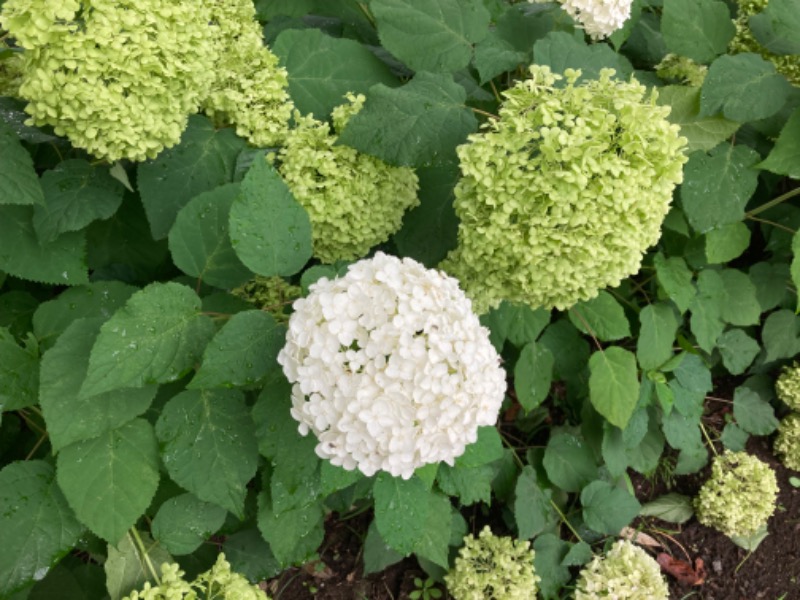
(717, 186)
(295, 481)
(249, 554)
(771, 280)
(777, 27)
(531, 507)
(494, 55)
(469, 484)
(61, 262)
(676, 279)
(703, 133)
(322, 69)
(612, 449)
(415, 125)
(486, 449)
(602, 316)
(682, 432)
(199, 240)
(71, 417)
(75, 194)
(784, 157)
(727, 242)
(275, 427)
(794, 269)
(431, 35)
(16, 310)
(741, 305)
(657, 335)
(550, 552)
(738, 350)
(613, 384)
(744, 87)
(694, 375)
(579, 554)
(155, 338)
(533, 374)
(377, 553)
(204, 160)
(561, 51)
(779, 336)
(36, 524)
(569, 462)
(672, 508)
(753, 414)
(270, 232)
(127, 569)
(184, 522)
(706, 308)
(19, 373)
(110, 480)
(697, 29)
(645, 456)
(607, 509)
(242, 352)
(734, 437)
(208, 445)
(19, 183)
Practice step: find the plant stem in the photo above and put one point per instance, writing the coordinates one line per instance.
(565, 521)
(773, 223)
(773, 202)
(708, 438)
(143, 551)
(588, 327)
(484, 113)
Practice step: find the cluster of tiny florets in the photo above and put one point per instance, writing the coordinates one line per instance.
(562, 195)
(271, 294)
(391, 368)
(599, 18)
(744, 41)
(218, 582)
(626, 572)
(740, 495)
(682, 69)
(12, 70)
(355, 201)
(250, 87)
(491, 566)
(118, 78)
(787, 444)
(787, 386)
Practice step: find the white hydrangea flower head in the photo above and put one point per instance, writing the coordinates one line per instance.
(496, 567)
(250, 90)
(626, 572)
(391, 368)
(117, 77)
(787, 444)
(599, 18)
(787, 387)
(355, 201)
(563, 194)
(740, 495)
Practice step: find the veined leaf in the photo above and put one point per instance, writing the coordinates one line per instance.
(614, 384)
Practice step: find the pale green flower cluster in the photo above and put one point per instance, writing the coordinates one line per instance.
(626, 572)
(272, 294)
(561, 196)
(496, 567)
(11, 72)
(218, 583)
(787, 386)
(117, 77)
(787, 444)
(745, 41)
(354, 200)
(740, 495)
(683, 69)
(250, 89)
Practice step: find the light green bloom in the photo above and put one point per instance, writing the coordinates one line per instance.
(355, 201)
(219, 583)
(272, 294)
(562, 195)
(740, 495)
(685, 70)
(787, 386)
(626, 572)
(787, 444)
(11, 72)
(493, 567)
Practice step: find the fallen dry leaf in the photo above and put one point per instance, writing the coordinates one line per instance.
(682, 570)
(638, 537)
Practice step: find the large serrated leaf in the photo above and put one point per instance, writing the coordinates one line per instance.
(613, 384)
(204, 159)
(200, 243)
(431, 35)
(784, 159)
(676, 279)
(69, 416)
(777, 27)
(702, 133)
(19, 373)
(673, 508)
(753, 414)
(249, 554)
(36, 524)
(155, 338)
(569, 461)
(184, 522)
(697, 29)
(780, 335)
(127, 568)
(270, 231)
(607, 509)
(322, 69)
(533, 374)
(561, 51)
(294, 535)
(706, 321)
(738, 350)
(415, 125)
(602, 316)
(532, 510)
(208, 445)
(19, 183)
(656, 335)
(110, 480)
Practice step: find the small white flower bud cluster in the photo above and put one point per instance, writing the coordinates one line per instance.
(491, 566)
(626, 572)
(391, 368)
(740, 495)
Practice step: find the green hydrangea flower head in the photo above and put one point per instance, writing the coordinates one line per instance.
(355, 201)
(272, 294)
(11, 72)
(787, 387)
(740, 495)
(626, 572)
(787, 444)
(562, 195)
(251, 88)
(491, 566)
(744, 41)
(118, 78)
(218, 583)
(682, 69)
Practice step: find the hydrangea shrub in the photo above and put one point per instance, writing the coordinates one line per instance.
(625, 572)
